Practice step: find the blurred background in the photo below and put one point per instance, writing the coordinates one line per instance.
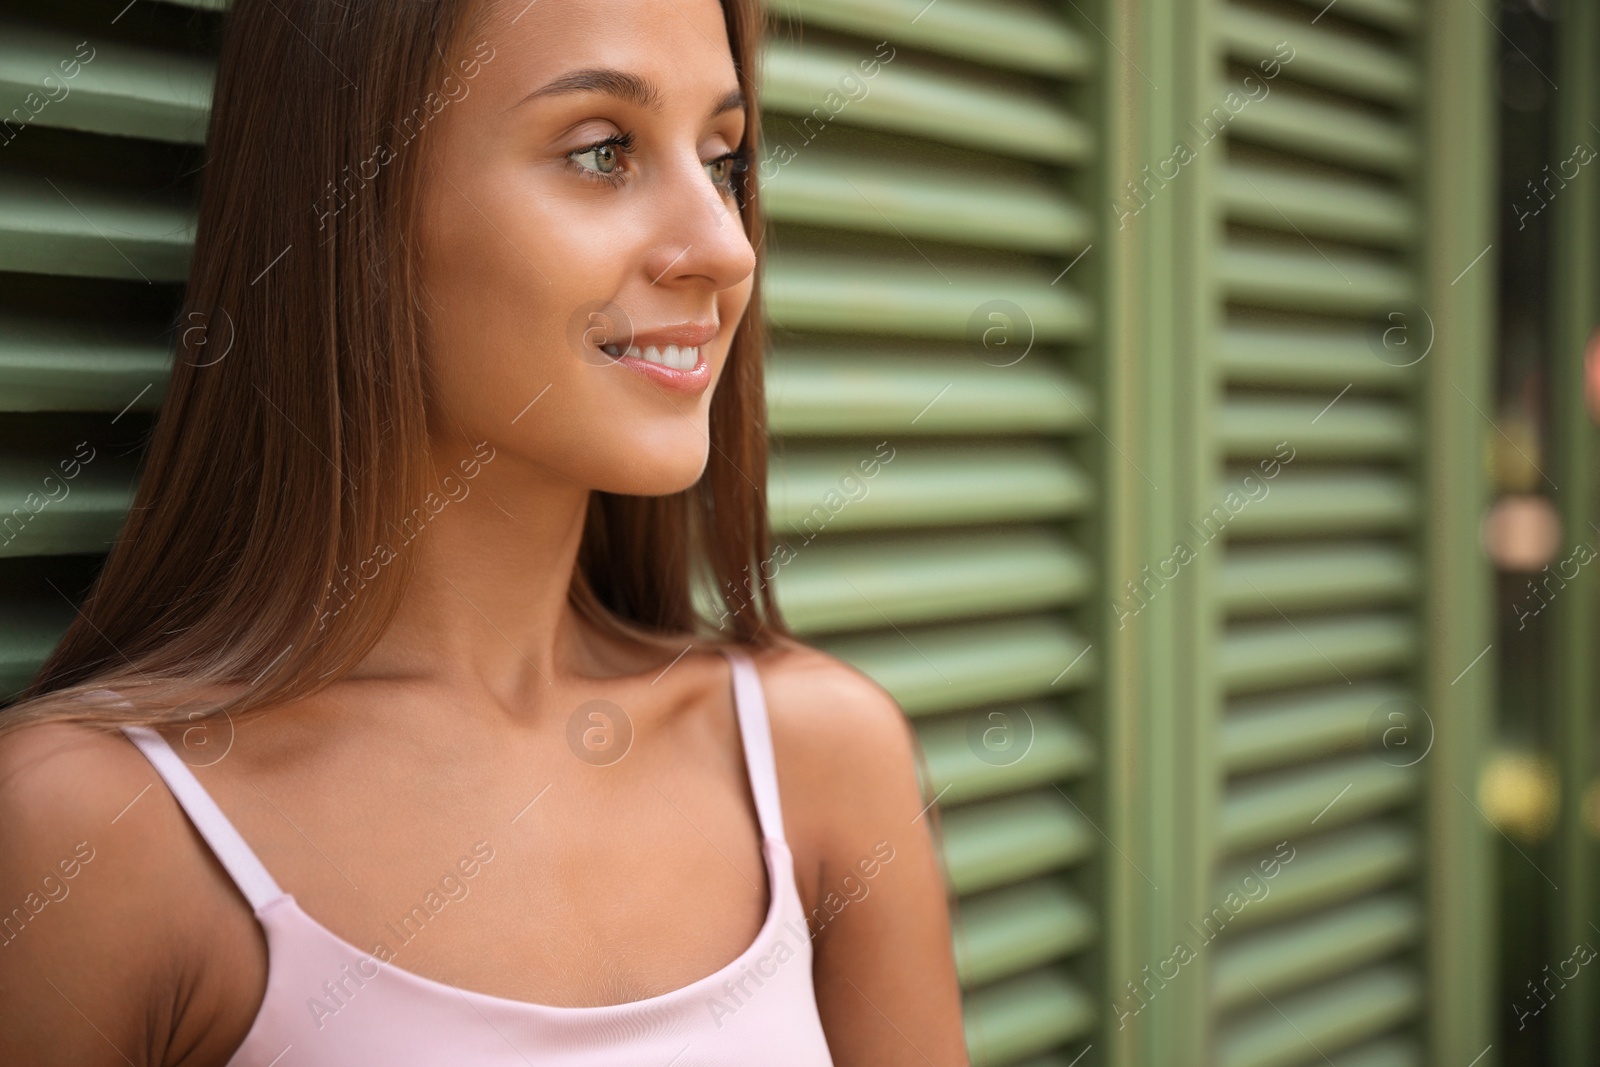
(1229, 373)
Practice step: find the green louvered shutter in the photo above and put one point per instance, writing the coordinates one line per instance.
(1321, 650)
(95, 232)
(901, 221)
(924, 220)
(927, 211)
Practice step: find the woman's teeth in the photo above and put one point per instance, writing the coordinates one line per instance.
(670, 356)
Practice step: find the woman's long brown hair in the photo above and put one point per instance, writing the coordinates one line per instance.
(274, 470)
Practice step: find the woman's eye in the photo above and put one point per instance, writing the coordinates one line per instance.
(608, 156)
(725, 170)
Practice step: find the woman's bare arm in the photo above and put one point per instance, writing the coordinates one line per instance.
(92, 902)
(885, 975)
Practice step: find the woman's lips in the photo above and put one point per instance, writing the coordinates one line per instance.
(686, 377)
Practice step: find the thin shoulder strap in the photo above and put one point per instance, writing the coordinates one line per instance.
(751, 704)
(237, 858)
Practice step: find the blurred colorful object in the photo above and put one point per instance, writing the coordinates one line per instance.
(1518, 793)
(1521, 533)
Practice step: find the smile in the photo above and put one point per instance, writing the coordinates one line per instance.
(674, 356)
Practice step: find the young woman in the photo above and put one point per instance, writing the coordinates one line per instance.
(390, 733)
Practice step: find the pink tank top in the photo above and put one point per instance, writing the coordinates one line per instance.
(329, 1004)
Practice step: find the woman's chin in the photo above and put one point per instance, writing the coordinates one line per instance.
(657, 475)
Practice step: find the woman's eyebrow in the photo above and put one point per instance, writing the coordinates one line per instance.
(624, 85)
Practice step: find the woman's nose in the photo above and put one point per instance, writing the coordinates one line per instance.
(702, 233)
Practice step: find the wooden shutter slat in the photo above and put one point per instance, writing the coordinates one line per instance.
(1327, 871)
(1265, 732)
(1268, 655)
(927, 485)
(123, 89)
(1051, 748)
(1343, 208)
(1330, 1018)
(962, 665)
(1022, 1016)
(1291, 121)
(1019, 36)
(54, 365)
(1322, 56)
(1312, 357)
(999, 842)
(78, 228)
(1323, 502)
(1324, 945)
(1349, 428)
(910, 296)
(910, 94)
(1287, 805)
(824, 188)
(1264, 581)
(1007, 931)
(912, 580)
(922, 392)
(1302, 279)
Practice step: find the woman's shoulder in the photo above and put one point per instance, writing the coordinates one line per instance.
(845, 749)
(809, 688)
(66, 769)
(95, 861)
(66, 772)
(74, 791)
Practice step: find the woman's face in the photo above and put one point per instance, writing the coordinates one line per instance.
(578, 193)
